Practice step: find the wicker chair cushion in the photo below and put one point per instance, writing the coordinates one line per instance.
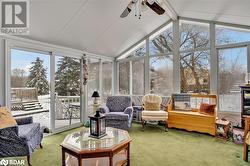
(152, 102)
(150, 106)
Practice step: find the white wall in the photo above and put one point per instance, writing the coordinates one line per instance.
(2, 79)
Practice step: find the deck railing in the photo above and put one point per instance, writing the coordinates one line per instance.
(23, 94)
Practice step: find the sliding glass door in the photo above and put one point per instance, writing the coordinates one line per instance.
(29, 85)
(67, 91)
(47, 86)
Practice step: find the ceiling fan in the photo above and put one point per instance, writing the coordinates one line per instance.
(141, 5)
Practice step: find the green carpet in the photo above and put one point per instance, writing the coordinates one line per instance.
(154, 147)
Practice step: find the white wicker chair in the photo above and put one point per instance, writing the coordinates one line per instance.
(153, 113)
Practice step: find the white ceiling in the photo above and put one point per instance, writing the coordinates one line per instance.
(95, 25)
(231, 11)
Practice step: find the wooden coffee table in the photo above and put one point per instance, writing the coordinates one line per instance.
(115, 147)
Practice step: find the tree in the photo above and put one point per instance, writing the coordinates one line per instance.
(194, 65)
(38, 77)
(18, 78)
(67, 80)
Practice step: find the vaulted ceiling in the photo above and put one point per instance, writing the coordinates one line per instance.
(95, 25)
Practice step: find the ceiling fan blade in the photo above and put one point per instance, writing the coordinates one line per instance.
(128, 9)
(125, 12)
(156, 8)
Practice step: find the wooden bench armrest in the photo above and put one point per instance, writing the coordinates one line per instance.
(247, 126)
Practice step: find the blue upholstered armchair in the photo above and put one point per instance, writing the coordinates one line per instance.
(20, 140)
(118, 111)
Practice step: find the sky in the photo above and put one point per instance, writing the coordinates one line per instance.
(22, 60)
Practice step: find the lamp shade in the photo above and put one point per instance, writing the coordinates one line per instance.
(95, 94)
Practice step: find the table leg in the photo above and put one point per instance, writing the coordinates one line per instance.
(128, 155)
(79, 161)
(110, 160)
(63, 157)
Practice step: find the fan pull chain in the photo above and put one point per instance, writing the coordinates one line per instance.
(139, 5)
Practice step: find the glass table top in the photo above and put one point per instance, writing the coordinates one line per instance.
(81, 141)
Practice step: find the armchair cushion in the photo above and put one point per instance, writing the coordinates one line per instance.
(118, 103)
(129, 111)
(104, 109)
(117, 116)
(27, 131)
(6, 118)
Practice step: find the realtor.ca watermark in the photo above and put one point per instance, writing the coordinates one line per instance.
(10, 162)
(14, 17)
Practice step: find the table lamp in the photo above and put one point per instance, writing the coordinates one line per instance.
(95, 95)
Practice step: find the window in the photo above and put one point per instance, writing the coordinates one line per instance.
(137, 51)
(93, 80)
(230, 35)
(193, 35)
(106, 80)
(194, 69)
(161, 75)
(29, 83)
(161, 41)
(124, 72)
(138, 77)
(67, 89)
(232, 71)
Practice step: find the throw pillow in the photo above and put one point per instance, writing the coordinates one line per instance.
(150, 106)
(207, 109)
(6, 119)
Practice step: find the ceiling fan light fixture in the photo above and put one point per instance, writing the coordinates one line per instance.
(150, 1)
(139, 6)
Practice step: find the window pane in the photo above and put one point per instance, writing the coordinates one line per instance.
(67, 88)
(161, 41)
(227, 35)
(194, 35)
(161, 75)
(138, 77)
(30, 78)
(137, 51)
(93, 81)
(195, 72)
(232, 71)
(106, 80)
(124, 77)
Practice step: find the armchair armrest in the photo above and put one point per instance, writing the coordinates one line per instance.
(9, 132)
(129, 111)
(26, 120)
(104, 109)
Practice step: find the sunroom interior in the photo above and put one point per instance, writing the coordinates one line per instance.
(77, 47)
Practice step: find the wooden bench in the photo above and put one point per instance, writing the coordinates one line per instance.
(193, 120)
